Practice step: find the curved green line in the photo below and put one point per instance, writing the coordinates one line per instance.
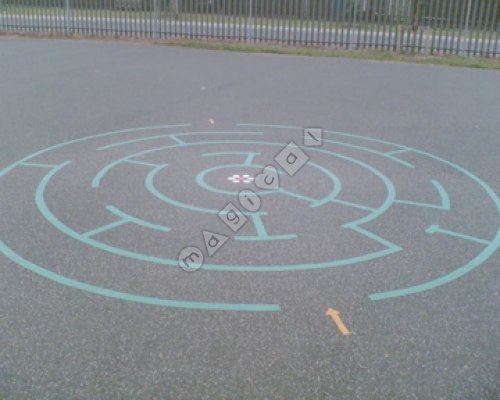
(200, 179)
(106, 169)
(262, 234)
(113, 145)
(353, 205)
(273, 126)
(149, 183)
(138, 221)
(480, 182)
(37, 165)
(299, 196)
(195, 305)
(266, 237)
(486, 188)
(248, 161)
(58, 146)
(100, 175)
(45, 211)
(372, 151)
(437, 229)
(461, 271)
(391, 195)
(50, 217)
(385, 155)
(337, 186)
(398, 160)
(476, 261)
(445, 200)
(457, 273)
(105, 228)
(110, 146)
(139, 162)
(96, 182)
(219, 133)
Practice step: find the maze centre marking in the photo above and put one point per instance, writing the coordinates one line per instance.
(226, 160)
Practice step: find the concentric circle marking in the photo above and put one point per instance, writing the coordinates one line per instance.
(158, 162)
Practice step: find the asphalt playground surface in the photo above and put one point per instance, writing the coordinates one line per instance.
(114, 156)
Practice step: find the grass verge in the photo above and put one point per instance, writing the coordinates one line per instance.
(361, 54)
(311, 51)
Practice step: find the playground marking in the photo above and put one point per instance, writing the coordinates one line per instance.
(148, 154)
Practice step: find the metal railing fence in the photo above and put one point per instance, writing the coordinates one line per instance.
(462, 27)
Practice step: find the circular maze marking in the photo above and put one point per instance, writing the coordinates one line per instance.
(171, 185)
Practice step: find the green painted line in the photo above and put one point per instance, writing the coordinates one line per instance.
(494, 197)
(432, 229)
(445, 200)
(386, 155)
(200, 180)
(259, 225)
(301, 267)
(100, 175)
(436, 229)
(149, 183)
(113, 145)
(443, 194)
(459, 272)
(398, 160)
(391, 247)
(354, 205)
(37, 165)
(335, 263)
(481, 183)
(355, 225)
(129, 218)
(228, 153)
(51, 218)
(271, 126)
(259, 268)
(297, 196)
(144, 163)
(241, 133)
(105, 228)
(250, 158)
(96, 182)
(174, 136)
(337, 186)
(266, 238)
(391, 195)
(194, 305)
(390, 153)
(150, 186)
(58, 146)
(177, 140)
(372, 151)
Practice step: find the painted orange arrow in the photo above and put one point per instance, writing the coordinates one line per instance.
(335, 316)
